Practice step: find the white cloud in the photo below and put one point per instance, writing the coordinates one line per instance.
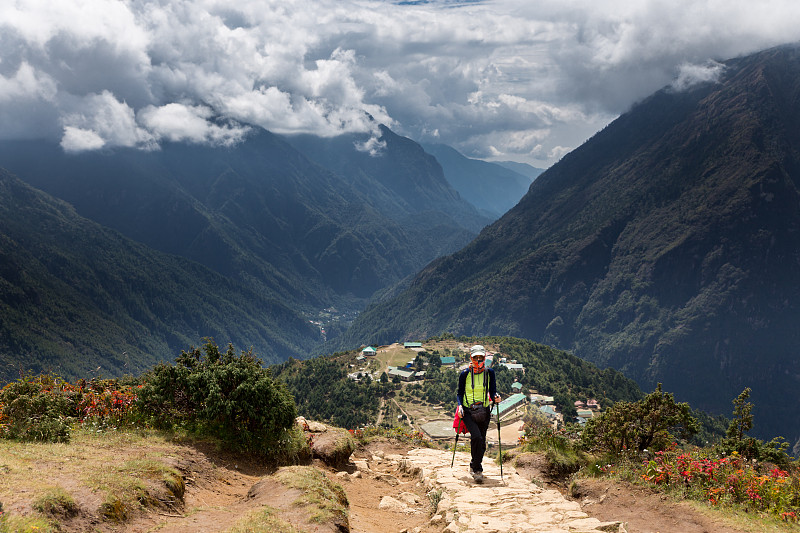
(523, 77)
(80, 140)
(177, 122)
(690, 75)
(107, 119)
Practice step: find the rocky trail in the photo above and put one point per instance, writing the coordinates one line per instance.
(393, 488)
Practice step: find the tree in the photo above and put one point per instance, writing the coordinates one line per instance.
(646, 424)
(742, 416)
(384, 378)
(750, 447)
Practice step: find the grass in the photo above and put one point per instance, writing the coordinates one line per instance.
(84, 466)
(325, 500)
(56, 501)
(10, 523)
(264, 520)
(137, 484)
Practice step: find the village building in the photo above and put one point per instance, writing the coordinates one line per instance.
(512, 402)
(514, 366)
(369, 350)
(448, 361)
(404, 375)
(541, 399)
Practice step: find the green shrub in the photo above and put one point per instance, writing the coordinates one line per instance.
(646, 424)
(230, 398)
(40, 408)
(748, 447)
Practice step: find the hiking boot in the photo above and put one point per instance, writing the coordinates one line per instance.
(477, 477)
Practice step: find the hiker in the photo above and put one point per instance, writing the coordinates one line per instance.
(476, 391)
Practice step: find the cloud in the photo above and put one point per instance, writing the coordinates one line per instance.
(508, 77)
(691, 75)
(177, 122)
(100, 120)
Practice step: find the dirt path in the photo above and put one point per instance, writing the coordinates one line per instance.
(383, 496)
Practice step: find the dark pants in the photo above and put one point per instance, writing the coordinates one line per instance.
(477, 438)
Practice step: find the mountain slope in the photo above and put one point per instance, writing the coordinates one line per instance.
(490, 187)
(76, 297)
(410, 182)
(259, 212)
(667, 246)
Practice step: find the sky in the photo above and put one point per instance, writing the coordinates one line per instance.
(506, 80)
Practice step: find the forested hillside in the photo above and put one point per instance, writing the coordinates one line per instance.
(81, 300)
(323, 391)
(261, 227)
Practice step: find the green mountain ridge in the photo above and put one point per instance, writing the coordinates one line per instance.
(667, 246)
(79, 299)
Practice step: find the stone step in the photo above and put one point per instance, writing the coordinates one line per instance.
(508, 505)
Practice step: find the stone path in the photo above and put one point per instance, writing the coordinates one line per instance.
(510, 505)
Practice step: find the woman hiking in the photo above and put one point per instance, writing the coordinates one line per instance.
(476, 389)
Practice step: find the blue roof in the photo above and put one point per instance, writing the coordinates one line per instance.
(548, 409)
(511, 400)
(449, 360)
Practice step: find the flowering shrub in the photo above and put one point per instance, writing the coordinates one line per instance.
(721, 480)
(44, 407)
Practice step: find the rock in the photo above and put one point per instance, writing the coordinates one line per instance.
(317, 427)
(452, 527)
(388, 478)
(409, 498)
(334, 446)
(356, 474)
(390, 504)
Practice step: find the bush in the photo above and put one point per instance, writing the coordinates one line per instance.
(646, 424)
(221, 395)
(37, 409)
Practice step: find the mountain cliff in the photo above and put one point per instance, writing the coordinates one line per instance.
(667, 246)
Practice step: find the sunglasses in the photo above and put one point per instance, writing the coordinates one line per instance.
(478, 358)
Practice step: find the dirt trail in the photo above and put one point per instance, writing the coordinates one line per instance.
(383, 496)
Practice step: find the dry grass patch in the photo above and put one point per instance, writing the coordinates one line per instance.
(264, 520)
(325, 500)
(108, 473)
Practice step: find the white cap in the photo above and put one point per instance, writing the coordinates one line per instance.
(477, 350)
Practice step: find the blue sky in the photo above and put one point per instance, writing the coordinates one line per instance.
(519, 80)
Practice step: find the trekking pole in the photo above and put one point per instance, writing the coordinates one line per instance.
(499, 443)
(453, 460)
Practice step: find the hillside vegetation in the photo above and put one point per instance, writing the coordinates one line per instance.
(81, 300)
(254, 244)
